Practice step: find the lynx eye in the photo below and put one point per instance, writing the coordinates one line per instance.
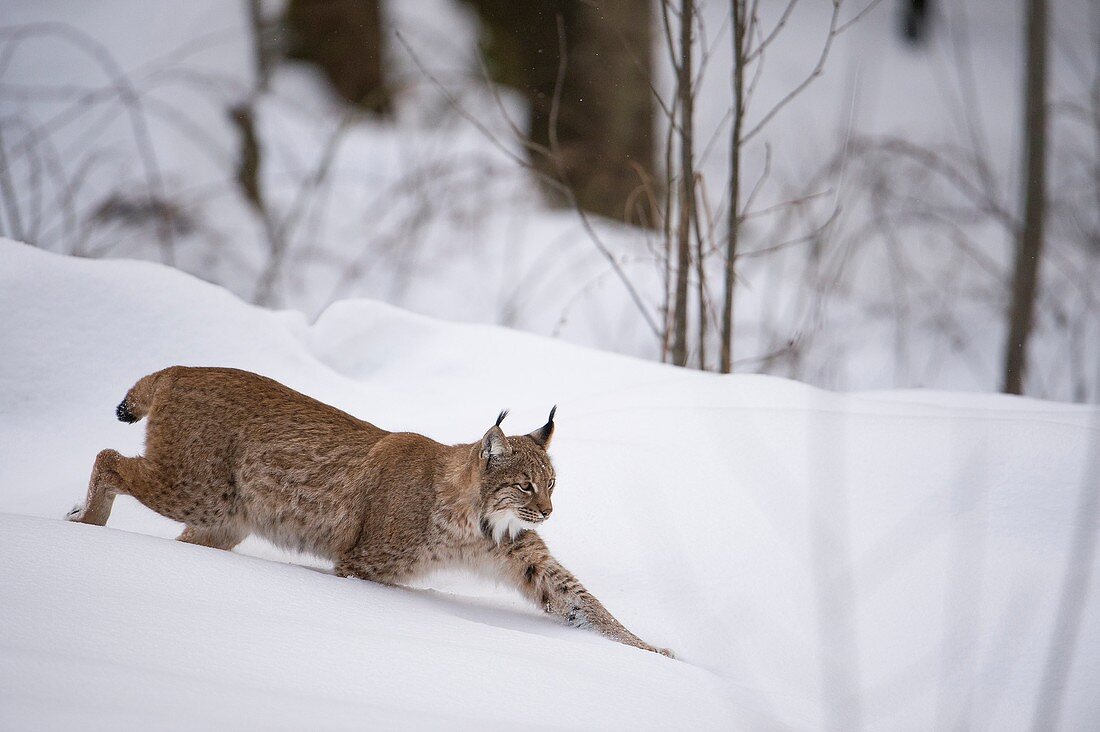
(525, 488)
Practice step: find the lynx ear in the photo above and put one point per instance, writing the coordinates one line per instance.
(494, 444)
(543, 434)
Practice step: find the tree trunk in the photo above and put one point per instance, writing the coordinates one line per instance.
(915, 18)
(264, 44)
(605, 106)
(733, 222)
(1030, 245)
(344, 38)
(687, 184)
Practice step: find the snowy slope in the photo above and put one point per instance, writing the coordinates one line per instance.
(131, 630)
(891, 560)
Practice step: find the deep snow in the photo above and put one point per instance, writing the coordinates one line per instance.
(890, 560)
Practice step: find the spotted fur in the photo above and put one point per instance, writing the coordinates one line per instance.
(229, 453)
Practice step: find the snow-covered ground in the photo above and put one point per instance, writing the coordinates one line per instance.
(887, 560)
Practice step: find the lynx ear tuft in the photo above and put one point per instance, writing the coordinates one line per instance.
(501, 416)
(543, 434)
(494, 444)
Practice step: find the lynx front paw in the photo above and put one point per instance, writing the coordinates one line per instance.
(654, 649)
(76, 513)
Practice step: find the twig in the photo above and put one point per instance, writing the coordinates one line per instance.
(819, 67)
(129, 97)
(554, 183)
(757, 52)
(7, 188)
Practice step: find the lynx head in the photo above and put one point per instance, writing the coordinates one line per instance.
(517, 479)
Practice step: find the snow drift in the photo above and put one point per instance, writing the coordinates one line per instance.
(888, 560)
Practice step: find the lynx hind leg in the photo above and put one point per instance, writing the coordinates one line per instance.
(215, 537)
(113, 474)
(102, 487)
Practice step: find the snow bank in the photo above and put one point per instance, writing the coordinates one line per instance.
(891, 560)
(117, 630)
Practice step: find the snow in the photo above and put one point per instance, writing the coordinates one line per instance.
(886, 560)
(145, 633)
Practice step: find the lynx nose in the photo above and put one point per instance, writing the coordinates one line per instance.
(545, 513)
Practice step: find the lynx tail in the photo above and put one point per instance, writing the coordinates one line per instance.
(139, 400)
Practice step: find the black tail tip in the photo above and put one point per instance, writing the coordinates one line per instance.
(123, 413)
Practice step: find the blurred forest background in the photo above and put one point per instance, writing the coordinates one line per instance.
(860, 194)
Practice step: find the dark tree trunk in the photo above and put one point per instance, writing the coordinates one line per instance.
(1030, 245)
(264, 43)
(916, 18)
(344, 38)
(604, 125)
(249, 156)
(733, 222)
(687, 183)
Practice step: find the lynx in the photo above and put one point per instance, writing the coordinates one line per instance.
(229, 453)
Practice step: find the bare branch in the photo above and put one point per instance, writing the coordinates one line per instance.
(760, 184)
(555, 183)
(127, 94)
(762, 46)
(819, 67)
(835, 29)
(7, 190)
